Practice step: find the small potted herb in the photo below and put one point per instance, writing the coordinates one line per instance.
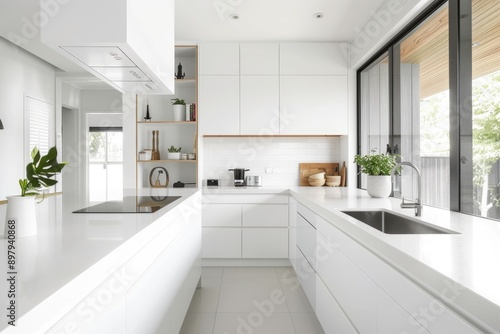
(174, 153)
(378, 168)
(179, 109)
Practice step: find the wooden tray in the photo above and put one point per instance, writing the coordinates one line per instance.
(307, 169)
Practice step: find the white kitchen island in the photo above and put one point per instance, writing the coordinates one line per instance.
(106, 273)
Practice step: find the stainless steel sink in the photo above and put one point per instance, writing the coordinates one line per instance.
(391, 223)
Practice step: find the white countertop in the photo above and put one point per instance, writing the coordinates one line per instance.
(471, 258)
(71, 245)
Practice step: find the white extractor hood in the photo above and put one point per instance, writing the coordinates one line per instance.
(127, 43)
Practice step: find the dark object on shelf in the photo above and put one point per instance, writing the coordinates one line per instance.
(156, 176)
(148, 117)
(155, 154)
(179, 74)
(212, 183)
(178, 184)
(388, 149)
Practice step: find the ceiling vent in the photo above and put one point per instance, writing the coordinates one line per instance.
(128, 44)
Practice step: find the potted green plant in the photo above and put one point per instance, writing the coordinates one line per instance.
(378, 168)
(21, 208)
(174, 153)
(179, 109)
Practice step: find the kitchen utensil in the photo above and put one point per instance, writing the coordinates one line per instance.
(153, 151)
(239, 176)
(254, 180)
(333, 181)
(157, 145)
(317, 182)
(317, 176)
(343, 175)
(308, 169)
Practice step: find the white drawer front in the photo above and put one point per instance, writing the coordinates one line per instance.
(220, 242)
(265, 243)
(265, 215)
(307, 214)
(306, 240)
(221, 215)
(307, 278)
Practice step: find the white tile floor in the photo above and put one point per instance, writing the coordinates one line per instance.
(250, 300)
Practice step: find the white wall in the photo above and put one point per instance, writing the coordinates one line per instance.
(258, 153)
(21, 74)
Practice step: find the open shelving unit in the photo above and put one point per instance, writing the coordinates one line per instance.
(177, 133)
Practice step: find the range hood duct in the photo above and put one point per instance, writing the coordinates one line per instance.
(129, 44)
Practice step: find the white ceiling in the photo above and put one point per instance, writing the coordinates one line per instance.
(270, 20)
(208, 20)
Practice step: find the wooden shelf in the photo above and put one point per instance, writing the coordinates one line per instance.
(185, 80)
(166, 122)
(182, 161)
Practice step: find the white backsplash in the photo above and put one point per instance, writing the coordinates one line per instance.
(258, 153)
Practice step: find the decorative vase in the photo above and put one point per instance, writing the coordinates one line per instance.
(174, 155)
(179, 112)
(378, 186)
(21, 211)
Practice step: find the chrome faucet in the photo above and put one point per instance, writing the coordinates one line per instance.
(417, 204)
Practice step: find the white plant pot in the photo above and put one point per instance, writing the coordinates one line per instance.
(174, 156)
(378, 186)
(21, 211)
(179, 112)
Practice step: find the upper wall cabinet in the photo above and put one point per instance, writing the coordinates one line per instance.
(259, 59)
(313, 59)
(313, 105)
(219, 98)
(219, 59)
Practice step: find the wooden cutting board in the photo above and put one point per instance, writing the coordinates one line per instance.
(307, 169)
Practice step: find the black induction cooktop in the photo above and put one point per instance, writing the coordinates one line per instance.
(131, 204)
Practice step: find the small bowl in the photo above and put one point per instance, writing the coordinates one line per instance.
(317, 176)
(334, 181)
(317, 183)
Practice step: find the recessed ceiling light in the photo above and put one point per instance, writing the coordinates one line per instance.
(475, 44)
(234, 16)
(318, 15)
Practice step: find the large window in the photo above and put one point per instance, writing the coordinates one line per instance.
(443, 104)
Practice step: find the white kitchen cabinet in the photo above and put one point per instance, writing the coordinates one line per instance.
(259, 105)
(265, 243)
(219, 59)
(351, 287)
(306, 239)
(221, 242)
(245, 226)
(292, 232)
(413, 299)
(259, 59)
(313, 59)
(392, 318)
(219, 100)
(307, 277)
(330, 315)
(221, 215)
(265, 215)
(313, 105)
